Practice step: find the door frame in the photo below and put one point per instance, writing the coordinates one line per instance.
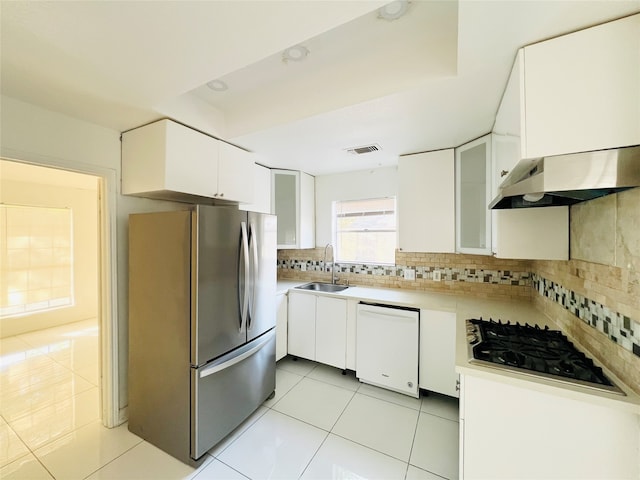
(107, 277)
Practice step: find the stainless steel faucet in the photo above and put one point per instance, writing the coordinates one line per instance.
(334, 277)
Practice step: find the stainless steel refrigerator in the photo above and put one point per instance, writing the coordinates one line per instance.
(201, 324)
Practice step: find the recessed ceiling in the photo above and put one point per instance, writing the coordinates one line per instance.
(428, 80)
(363, 59)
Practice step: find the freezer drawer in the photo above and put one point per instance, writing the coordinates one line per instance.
(225, 392)
(387, 344)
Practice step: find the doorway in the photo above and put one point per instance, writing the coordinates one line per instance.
(72, 323)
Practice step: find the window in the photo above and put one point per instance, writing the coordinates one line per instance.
(365, 230)
(36, 258)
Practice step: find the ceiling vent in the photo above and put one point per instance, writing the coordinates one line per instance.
(365, 149)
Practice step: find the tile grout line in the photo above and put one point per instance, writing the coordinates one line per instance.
(240, 435)
(31, 452)
(30, 346)
(368, 447)
(226, 465)
(42, 407)
(314, 454)
(309, 374)
(342, 412)
(357, 443)
(388, 401)
(413, 442)
(340, 436)
(115, 458)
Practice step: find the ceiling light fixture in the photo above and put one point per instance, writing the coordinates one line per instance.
(394, 10)
(297, 53)
(217, 85)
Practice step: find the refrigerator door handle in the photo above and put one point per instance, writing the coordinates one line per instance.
(231, 359)
(242, 280)
(253, 279)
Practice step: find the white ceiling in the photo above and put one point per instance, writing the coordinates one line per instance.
(431, 79)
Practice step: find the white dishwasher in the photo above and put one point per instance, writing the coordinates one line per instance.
(387, 345)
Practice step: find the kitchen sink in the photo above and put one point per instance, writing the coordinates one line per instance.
(323, 287)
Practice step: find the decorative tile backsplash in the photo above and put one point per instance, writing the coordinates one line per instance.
(618, 327)
(447, 274)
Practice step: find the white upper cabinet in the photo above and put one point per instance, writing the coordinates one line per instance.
(524, 233)
(235, 174)
(507, 130)
(509, 116)
(532, 233)
(293, 201)
(517, 233)
(166, 156)
(582, 90)
(473, 195)
(168, 160)
(261, 191)
(426, 202)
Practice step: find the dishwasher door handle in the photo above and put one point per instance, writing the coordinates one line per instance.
(396, 317)
(380, 311)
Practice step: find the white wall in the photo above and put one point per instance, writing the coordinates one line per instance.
(83, 203)
(363, 184)
(36, 135)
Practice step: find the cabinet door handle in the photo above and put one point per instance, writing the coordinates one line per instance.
(222, 194)
(457, 385)
(504, 172)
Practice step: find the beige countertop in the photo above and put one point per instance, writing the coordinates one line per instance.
(393, 296)
(469, 307)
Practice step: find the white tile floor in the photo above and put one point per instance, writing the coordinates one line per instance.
(320, 424)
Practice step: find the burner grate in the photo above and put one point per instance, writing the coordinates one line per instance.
(534, 349)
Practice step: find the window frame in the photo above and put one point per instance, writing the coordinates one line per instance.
(335, 230)
(31, 307)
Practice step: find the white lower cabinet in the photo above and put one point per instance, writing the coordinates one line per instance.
(331, 331)
(301, 339)
(352, 314)
(508, 431)
(438, 352)
(281, 326)
(318, 328)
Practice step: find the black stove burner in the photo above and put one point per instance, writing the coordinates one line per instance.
(532, 348)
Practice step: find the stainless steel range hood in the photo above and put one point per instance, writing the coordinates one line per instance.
(569, 179)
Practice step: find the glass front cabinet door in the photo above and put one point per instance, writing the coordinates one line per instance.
(473, 195)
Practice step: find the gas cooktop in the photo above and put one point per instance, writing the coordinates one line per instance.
(535, 351)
